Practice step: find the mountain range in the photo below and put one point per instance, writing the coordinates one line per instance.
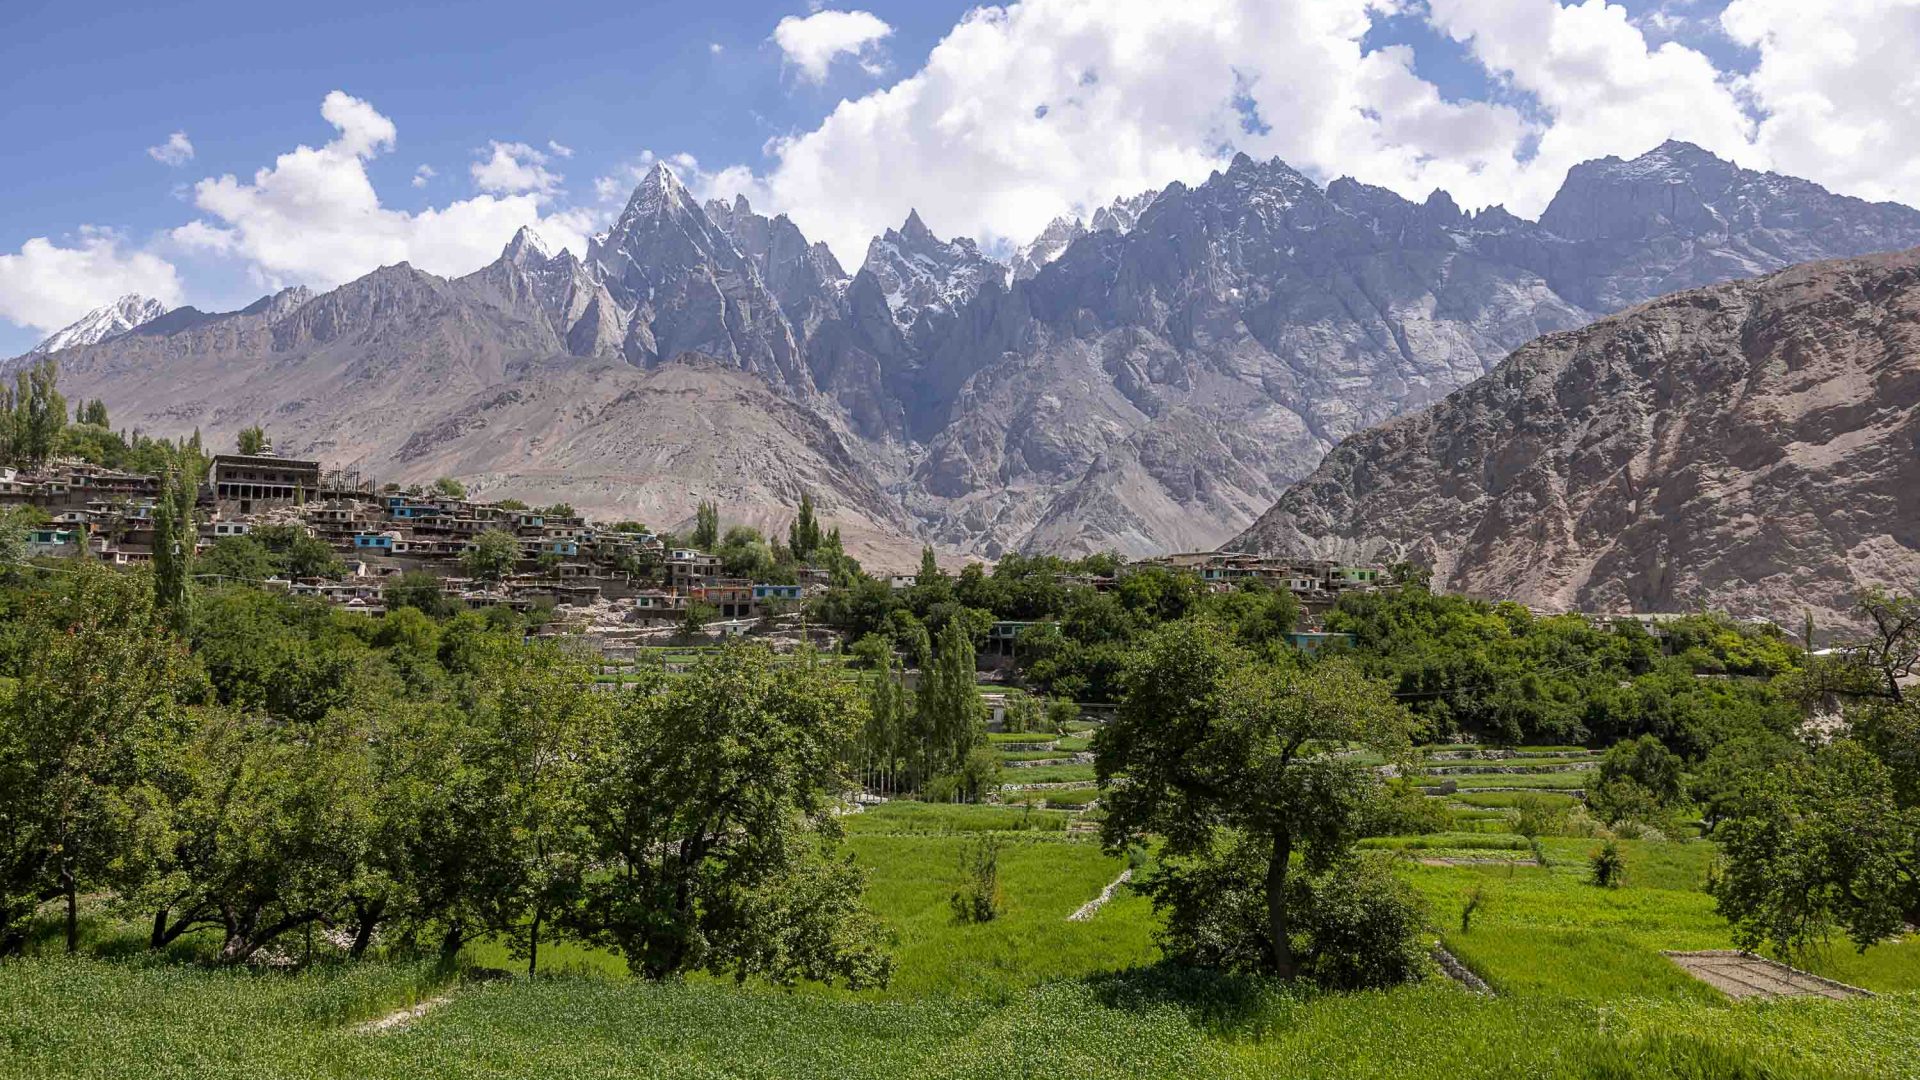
(1752, 447)
(1152, 378)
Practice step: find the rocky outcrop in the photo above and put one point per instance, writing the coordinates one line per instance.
(1752, 447)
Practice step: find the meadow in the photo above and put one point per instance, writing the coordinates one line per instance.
(1581, 988)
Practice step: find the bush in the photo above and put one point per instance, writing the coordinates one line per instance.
(1364, 926)
(1401, 810)
(979, 898)
(1535, 815)
(1608, 868)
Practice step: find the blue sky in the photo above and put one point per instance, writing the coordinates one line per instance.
(905, 104)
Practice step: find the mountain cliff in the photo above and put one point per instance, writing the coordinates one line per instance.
(102, 323)
(1152, 379)
(1752, 447)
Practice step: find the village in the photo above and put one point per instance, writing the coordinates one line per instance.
(616, 586)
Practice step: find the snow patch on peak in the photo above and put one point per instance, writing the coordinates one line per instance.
(102, 323)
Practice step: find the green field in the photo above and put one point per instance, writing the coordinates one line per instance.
(1583, 990)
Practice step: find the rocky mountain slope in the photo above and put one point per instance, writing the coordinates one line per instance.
(1752, 447)
(102, 323)
(1151, 379)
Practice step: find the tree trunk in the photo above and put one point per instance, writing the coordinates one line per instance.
(533, 944)
(1279, 929)
(368, 918)
(71, 889)
(159, 938)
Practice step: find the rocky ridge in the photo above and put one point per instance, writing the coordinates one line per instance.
(1750, 447)
(1153, 380)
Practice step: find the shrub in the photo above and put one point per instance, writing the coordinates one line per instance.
(1401, 810)
(1364, 926)
(1536, 815)
(979, 898)
(1607, 866)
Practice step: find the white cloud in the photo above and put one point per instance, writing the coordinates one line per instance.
(813, 42)
(716, 48)
(1602, 86)
(511, 168)
(177, 150)
(558, 150)
(1041, 106)
(313, 216)
(47, 286)
(423, 174)
(1023, 111)
(1839, 89)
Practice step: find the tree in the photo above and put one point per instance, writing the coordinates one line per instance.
(174, 539)
(235, 558)
(492, 556)
(542, 714)
(251, 440)
(297, 553)
(710, 806)
(37, 411)
(952, 718)
(1239, 763)
(93, 707)
(418, 589)
(1818, 845)
(449, 487)
(706, 526)
(804, 536)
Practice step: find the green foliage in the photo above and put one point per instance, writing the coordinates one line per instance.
(1214, 742)
(706, 527)
(87, 715)
(804, 536)
(979, 897)
(251, 440)
(1606, 867)
(33, 415)
(951, 718)
(418, 589)
(492, 556)
(451, 488)
(709, 801)
(297, 553)
(1816, 846)
(174, 538)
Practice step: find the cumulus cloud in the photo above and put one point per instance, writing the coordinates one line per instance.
(46, 285)
(511, 168)
(1041, 106)
(811, 43)
(1023, 111)
(1838, 90)
(177, 150)
(423, 174)
(314, 217)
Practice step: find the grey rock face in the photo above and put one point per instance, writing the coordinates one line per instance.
(1748, 447)
(1152, 380)
(690, 290)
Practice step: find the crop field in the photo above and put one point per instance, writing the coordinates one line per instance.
(1582, 985)
(1583, 990)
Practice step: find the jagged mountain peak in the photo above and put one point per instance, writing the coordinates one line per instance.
(659, 192)
(916, 229)
(102, 323)
(526, 248)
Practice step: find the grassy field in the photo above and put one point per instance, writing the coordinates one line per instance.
(1583, 990)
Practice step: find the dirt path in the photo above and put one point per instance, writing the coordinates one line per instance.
(1087, 910)
(400, 1018)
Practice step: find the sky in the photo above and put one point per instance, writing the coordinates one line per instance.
(206, 153)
